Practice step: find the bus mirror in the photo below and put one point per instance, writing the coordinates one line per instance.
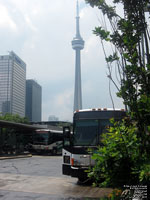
(66, 132)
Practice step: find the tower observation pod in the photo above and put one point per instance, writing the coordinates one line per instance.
(77, 45)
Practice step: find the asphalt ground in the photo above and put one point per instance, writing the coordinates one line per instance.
(40, 178)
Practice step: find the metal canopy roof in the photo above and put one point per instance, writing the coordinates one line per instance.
(10, 124)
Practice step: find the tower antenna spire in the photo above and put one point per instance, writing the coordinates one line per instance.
(77, 21)
(77, 8)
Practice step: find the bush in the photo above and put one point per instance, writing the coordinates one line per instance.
(119, 160)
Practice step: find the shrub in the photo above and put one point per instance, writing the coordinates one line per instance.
(119, 160)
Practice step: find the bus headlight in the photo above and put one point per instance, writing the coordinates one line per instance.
(74, 162)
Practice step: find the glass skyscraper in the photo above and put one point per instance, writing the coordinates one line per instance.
(12, 84)
(33, 100)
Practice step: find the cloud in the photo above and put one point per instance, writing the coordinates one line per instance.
(29, 23)
(5, 19)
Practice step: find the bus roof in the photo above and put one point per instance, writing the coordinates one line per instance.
(100, 109)
(103, 113)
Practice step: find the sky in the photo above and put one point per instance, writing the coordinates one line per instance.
(40, 33)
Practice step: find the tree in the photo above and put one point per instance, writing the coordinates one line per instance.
(8, 136)
(129, 35)
(14, 118)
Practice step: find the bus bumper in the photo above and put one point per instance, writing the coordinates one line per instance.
(74, 171)
(79, 172)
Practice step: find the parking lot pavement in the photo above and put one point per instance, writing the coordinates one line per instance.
(11, 195)
(40, 178)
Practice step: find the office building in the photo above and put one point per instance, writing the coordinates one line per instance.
(12, 84)
(77, 45)
(33, 101)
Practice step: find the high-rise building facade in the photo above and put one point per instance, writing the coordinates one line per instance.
(77, 45)
(12, 84)
(33, 101)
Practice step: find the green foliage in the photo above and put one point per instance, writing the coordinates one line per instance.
(106, 9)
(99, 31)
(14, 118)
(123, 158)
(119, 160)
(126, 35)
(112, 58)
(114, 195)
(144, 175)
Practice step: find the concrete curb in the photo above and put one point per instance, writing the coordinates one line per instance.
(15, 157)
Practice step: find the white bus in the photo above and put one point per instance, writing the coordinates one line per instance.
(88, 125)
(46, 141)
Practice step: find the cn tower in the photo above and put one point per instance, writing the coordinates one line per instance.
(77, 45)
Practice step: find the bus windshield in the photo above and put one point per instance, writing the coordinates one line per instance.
(41, 138)
(86, 133)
